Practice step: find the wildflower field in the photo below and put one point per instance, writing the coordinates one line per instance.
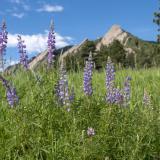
(38, 127)
(85, 115)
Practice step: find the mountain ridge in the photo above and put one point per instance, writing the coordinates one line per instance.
(130, 42)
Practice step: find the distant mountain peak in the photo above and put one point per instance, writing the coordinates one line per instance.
(114, 28)
(114, 33)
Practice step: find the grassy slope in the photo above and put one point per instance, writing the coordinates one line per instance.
(40, 129)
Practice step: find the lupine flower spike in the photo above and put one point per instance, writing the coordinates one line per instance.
(62, 89)
(87, 79)
(22, 52)
(127, 91)
(114, 95)
(11, 94)
(118, 96)
(3, 43)
(146, 99)
(51, 45)
(110, 78)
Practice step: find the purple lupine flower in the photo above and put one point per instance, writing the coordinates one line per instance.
(118, 96)
(146, 99)
(62, 89)
(3, 43)
(110, 74)
(114, 95)
(72, 95)
(110, 98)
(87, 79)
(90, 132)
(110, 78)
(127, 91)
(51, 45)
(22, 52)
(12, 97)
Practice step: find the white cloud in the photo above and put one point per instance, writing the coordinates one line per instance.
(20, 3)
(37, 42)
(11, 62)
(18, 15)
(50, 8)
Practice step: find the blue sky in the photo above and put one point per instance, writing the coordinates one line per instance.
(74, 20)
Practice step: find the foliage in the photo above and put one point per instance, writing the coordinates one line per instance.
(156, 20)
(78, 62)
(115, 51)
(143, 54)
(38, 128)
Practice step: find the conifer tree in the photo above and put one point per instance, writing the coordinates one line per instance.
(156, 20)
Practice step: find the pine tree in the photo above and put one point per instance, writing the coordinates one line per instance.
(156, 20)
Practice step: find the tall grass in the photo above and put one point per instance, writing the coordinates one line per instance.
(39, 128)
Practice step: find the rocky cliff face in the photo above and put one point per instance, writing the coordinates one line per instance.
(37, 59)
(115, 33)
(73, 50)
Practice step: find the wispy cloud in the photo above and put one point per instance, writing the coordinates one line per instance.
(22, 4)
(50, 8)
(38, 42)
(18, 15)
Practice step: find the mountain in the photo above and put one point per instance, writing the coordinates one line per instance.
(130, 42)
(38, 60)
(127, 43)
(73, 50)
(122, 46)
(115, 33)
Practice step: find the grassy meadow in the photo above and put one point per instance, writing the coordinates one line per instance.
(39, 128)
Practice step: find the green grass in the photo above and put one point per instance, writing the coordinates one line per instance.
(38, 128)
